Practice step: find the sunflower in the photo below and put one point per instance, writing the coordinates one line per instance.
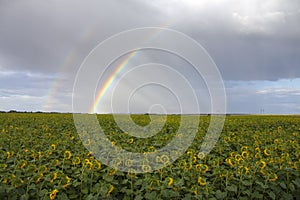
(112, 172)
(238, 157)
(128, 162)
(113, 143)
(226, 139)
(170, 181)
(245, 154)
(228, 160)
(131, 173)
(67, 182)
(165, 159)
(54, 177)
(267, 152)
(39, 177)
(279, 129)
(8, 154)
(88, 142)
(263, 164)
(146, 168)
(201, 168)
(151, 149)
(190, 153)
(243, 170)
(274, 178)
(55, 162)
(244, 148)
(90, 165)
(201, 155)
(232, 154)
(188, 166)
(76, 161)
(110, 189)
(201, 181)
(53, 194)
(4, 181)
(53, 146)
(24, 163)
(67, 154)
(98, 164)
(158, 159)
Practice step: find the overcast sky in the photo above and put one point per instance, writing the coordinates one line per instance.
(255, 45)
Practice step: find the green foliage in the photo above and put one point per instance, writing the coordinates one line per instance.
(256, 157)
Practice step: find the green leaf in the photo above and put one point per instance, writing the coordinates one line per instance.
(212, 198)
(151, 195)
(188, 197)
(297, 182)
(179, 183)
(126, 198)
(264, 186)
(292, 187)
(76, 183)
(85, 190)
(170, 193)
(24, 197)
(246, 183)
(220, 195)
(138, 197)
(108, 178)
(272, 195)
(95, 188)
(247, 192)
(257, 195)
(283, 185)
(73, 196)
(232, 188)
(43, 192)
(287, 196)
(139, 182)
(91, 197)
(63, 196)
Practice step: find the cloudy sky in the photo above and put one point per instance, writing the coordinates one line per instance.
(255, 45)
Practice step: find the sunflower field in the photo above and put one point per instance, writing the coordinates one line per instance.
(256, 157)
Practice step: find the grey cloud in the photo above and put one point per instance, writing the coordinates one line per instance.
(259, 41)
(282, 96)
(39, 35)
(255, 42)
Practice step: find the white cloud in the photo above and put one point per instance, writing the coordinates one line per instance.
(280, 91)
(263, 24)
(21, 102)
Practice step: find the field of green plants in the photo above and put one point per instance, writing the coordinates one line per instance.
(256, 157)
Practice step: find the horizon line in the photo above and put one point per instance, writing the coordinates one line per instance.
(228, 113)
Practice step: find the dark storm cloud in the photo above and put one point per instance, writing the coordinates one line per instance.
(252, 58)
(262, 42)
(248, 41)
(39, 35)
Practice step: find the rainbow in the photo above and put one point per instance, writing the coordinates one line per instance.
(68, 62)
(110, 80)
(86, 35)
